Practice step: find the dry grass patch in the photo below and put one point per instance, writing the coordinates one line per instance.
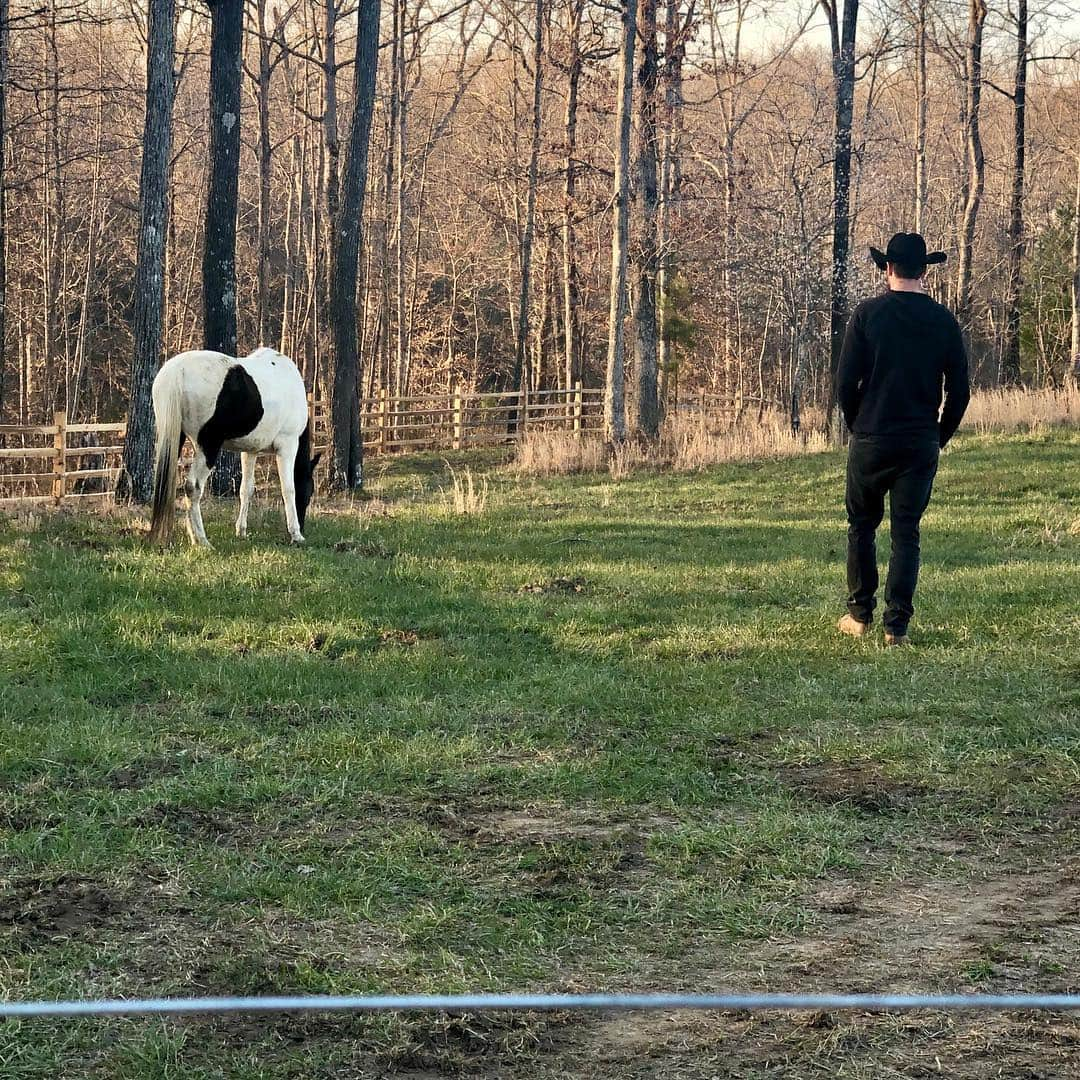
(999, 411)
(691, 442)
(559, 453)
(687, 444)
(467, 494)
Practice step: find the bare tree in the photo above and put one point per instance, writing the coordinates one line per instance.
(757, 158)
(1074, 351)
(3, 197)
(348, 449)
(571, 316)
(137, 478)
(524, 298)
(1010, 360)
(615, 384)
(676, 33)
(920, 113)
(645, 337)
(842, 38)
(219, 253)
(267, 61)
(976, 165)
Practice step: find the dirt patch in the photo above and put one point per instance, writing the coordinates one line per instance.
(194, 822)
(83, 543)
(861, 785)
(539, 824)
(399, 637)
(35, 910)
(563, 586)
(366, 549)
(28, 819)
(694, 651)
(142, 773)
(989, 926)
(469, 1043)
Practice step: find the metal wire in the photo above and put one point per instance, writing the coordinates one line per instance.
(548, 1002)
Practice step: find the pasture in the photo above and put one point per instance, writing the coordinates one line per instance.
(602, 735)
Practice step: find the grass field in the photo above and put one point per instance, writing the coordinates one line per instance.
(600, 736)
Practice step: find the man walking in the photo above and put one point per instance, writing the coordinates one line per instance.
(900, 351)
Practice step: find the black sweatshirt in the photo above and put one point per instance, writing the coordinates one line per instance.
(899, 349)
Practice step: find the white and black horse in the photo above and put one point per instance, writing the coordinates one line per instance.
(251, 404)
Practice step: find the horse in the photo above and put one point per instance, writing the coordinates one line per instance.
(250, 404)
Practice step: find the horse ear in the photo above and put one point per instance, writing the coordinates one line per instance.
(315, 460)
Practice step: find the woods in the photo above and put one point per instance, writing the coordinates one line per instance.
(652, 198)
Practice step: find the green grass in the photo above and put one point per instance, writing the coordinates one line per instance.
(381, 764)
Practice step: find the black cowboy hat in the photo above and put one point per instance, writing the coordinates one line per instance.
(906, 248)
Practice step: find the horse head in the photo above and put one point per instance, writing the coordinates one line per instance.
(304, 476)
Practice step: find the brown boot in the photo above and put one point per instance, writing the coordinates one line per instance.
(896, 639)
(852, 627)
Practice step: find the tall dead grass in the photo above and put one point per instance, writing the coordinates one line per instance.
(686, 444)
(997, 411)
(467, 494)
(558, 453)
(690, 442)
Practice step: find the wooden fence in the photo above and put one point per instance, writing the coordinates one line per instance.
(463, 419)
(59, 462)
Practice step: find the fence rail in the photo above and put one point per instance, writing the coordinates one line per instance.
(463, 419)
(61, 461)
(57, 462)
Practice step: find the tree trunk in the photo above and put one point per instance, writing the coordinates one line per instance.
(401, 345)
(1010, 361)
(645, 342)
(920, 116)
(1074, 356)
(137, 477)
(54, 227)
(96, 219)
(3, 197)
(614, 388)
(670, 180)
(798, 373)
(524, 293)
(219, 254)
(388, 363)
(262, 288)
(331, 182)
(570, 283)
(347, 467)
(843, 52)
(973, 184)
(731, 359)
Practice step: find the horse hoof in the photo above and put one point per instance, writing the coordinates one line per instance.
(297, 541)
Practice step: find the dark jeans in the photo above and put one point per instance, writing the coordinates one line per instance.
(905, 469)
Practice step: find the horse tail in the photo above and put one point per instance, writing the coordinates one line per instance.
(167, 392)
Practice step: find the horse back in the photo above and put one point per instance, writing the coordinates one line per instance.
(247, 403)
(280, 388)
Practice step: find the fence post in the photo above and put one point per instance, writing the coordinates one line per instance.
(578, 408)
(459, 417)
(59, 455)
(523, 406)
(384, 410)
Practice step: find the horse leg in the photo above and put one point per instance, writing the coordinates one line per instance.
(286, 459)
(194, 487)
(247, 489)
